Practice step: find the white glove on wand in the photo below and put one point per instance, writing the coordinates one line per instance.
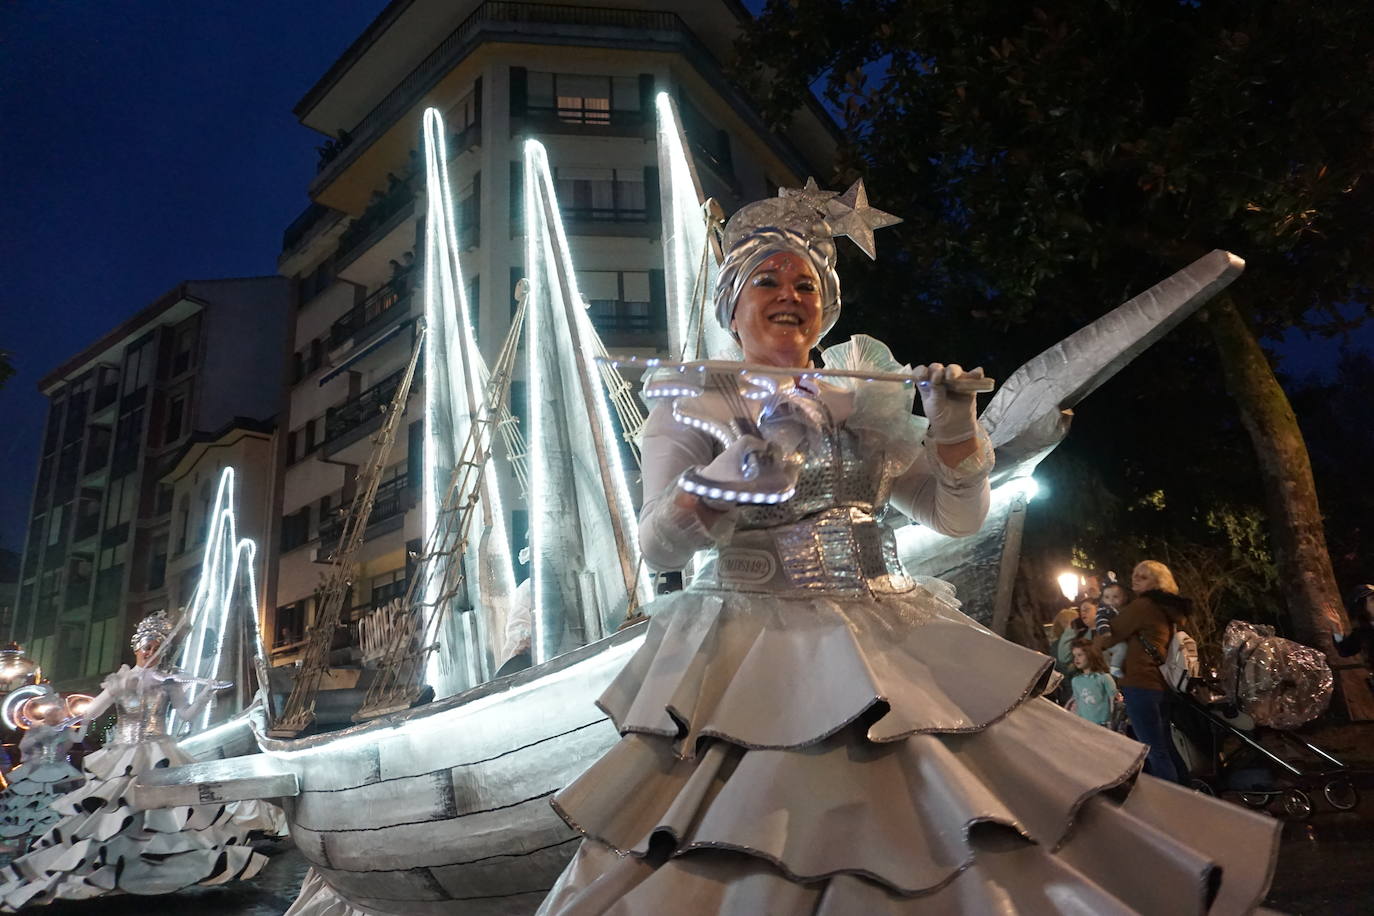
(953, 416)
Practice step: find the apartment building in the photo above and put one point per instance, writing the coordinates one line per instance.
(581, 78)
(103, 528)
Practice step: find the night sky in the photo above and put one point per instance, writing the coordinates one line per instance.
(148, 143)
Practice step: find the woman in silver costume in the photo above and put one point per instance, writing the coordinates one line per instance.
(808, 729)
(104, 842)
(26, 807)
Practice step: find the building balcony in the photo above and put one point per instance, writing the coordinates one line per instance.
(495, 21)
(377, 221)
(383, 594)
(595, 122)
(360, 416)
(313, 220)
(394, 498)
(629, 324)
(375, 314)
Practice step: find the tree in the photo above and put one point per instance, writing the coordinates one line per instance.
(6, 367)
(1053, 158)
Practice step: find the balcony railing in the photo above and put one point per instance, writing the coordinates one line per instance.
(372, 314)
(366, 407)
(379, 215)
(605, 214)
(612, 316)
(305, 223)
(393, 499)
(460, 41)
(596, 117)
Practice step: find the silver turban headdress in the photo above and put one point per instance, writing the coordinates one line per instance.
(153, 628)
(803, 221)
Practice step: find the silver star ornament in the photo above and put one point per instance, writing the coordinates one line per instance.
(849, 214)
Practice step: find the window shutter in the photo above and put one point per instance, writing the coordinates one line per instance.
(517, 194)
(651, 199)
(646, 97)
(519, 92)
(658, 299)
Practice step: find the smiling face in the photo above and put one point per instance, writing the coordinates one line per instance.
(1114, 595)
(778, 313)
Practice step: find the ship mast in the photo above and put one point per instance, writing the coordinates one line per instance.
(299, 710)
(439, 579)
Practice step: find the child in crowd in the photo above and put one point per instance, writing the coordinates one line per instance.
(1115, 597)
(1094, 690)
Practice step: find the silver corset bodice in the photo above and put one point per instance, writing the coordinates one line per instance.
(142, 714)
(46, 744)
(830, 537)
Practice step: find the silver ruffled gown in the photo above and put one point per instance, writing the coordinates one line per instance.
(26, 807)
(105, 843)
(807, 729)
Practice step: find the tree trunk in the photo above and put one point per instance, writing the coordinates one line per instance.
(1295, 519)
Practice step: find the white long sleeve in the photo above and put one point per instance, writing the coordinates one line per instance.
(668, 534)
(951, 500)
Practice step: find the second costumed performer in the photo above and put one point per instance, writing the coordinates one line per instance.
(807, 729)
(105, 843)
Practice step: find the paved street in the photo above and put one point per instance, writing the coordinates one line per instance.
(1326, 868)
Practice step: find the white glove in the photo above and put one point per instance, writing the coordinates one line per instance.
(749, 471)
(953, 416)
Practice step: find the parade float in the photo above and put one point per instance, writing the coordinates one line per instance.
(437, 800)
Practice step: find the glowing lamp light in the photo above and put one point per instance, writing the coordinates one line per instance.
(1069, 584)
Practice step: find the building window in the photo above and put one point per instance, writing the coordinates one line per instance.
(119, 507)
(55, 520)
(128, 440)
(465, 120)
(474, 293)
(138, 367)
(157, 564)
(387, 587)
(576, 98)
(290, 624)
(601, 194)
(176, 414)
(317, 281)
(295, 529)
(623, 301)
(184, 347)
(183, 523)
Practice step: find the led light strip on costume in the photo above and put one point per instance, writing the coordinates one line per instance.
(734, 496)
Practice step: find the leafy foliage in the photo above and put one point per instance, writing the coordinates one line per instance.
(1051, 159)
(1072, 152)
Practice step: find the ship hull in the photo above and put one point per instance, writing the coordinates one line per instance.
(445, 809)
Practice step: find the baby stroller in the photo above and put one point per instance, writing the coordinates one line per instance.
(1229, 730)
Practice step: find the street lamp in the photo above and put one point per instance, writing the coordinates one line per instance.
(1069, 584)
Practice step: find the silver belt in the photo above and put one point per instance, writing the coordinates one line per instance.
(844, 550)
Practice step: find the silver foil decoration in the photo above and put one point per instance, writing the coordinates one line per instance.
(1278, 682)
